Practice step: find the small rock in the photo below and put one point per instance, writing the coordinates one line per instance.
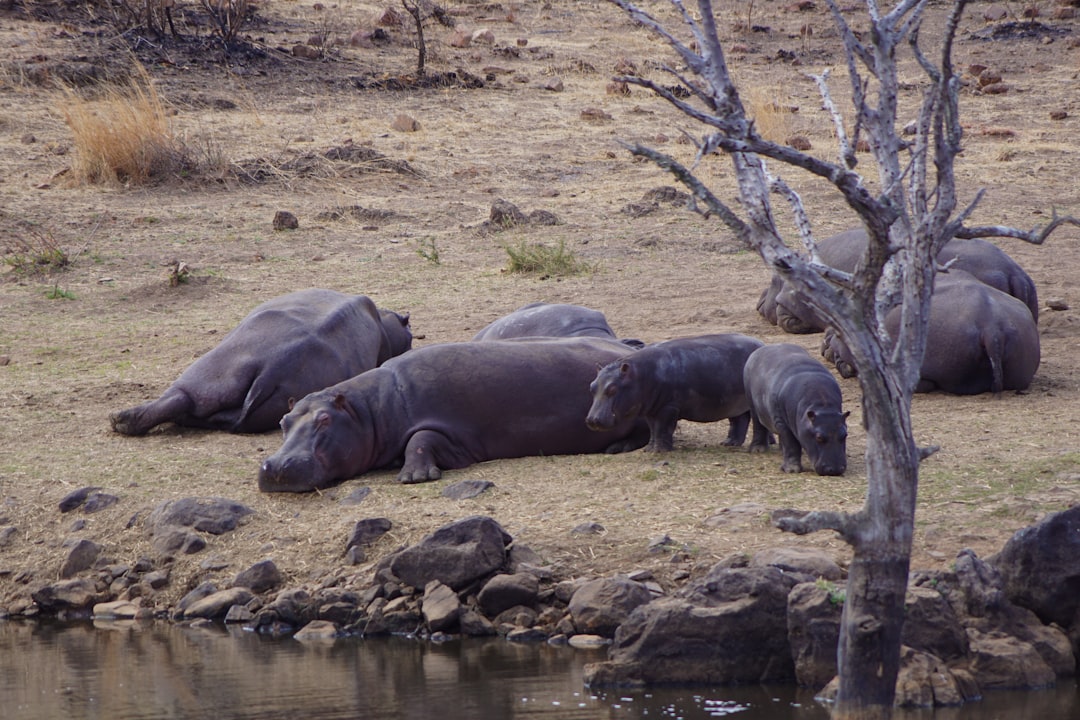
(995, 13)
(522, 42)
(218, 604)
(239, 614)
(593, 114)
(989, 77)
(28, 139)
(6, 535)
(116, 610)
(996, 89)
(483, 36)
(81, 557)
(588, 528)
(553, 84)
(1059, 114)
(1064, 13)
(75, 498)
(357, 496)
(466, 489)
(367, 531)
(460, 39)
(318, 630)
(405, 123)
(586, 641)
(306, 52)
(800, 143)
(285, 220)
(1057, 304)
(260, 577)
(98, 501)
(355, 555)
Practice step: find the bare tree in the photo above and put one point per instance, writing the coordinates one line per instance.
(911, 215)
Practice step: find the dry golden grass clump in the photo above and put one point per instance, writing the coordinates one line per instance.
(122, 135)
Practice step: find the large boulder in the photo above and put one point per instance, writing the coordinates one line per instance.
(730, 628)
(1040, 567)
(813, 628)
(599, 606)
(456, 555)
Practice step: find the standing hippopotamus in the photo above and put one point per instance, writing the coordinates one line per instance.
(286, 348)
(548, 320)
(694, 378)
(795, 396)
(448, 406)
(979, 339)
(782, 306)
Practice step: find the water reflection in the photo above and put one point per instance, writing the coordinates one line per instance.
(129, 671)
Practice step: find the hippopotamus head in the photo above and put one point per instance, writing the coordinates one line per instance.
(823, 436)
(616, 396)
(398, 333)
(323, 445)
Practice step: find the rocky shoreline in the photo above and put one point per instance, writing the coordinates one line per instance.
(1011, 621)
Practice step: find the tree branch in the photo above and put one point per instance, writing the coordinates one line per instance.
(802, 522)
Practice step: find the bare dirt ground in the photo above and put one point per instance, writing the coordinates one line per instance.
(122, 332)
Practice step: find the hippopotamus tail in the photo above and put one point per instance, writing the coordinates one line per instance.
(993, 345)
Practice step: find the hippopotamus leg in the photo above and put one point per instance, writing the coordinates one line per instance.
(422, 457)
(140, 419)
(762, 438)
(791, 449)
(662, 430)
(737, 427)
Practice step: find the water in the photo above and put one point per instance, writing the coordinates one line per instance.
(145, 671)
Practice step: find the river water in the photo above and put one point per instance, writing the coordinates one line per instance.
(145, 671)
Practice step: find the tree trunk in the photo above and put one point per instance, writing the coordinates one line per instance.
(873, 616)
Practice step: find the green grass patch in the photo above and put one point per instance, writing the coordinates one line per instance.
(545, 260)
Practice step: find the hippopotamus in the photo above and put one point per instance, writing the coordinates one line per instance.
(796, 397)
(286, 348)
(991, 265)
(694, 378)
(979, 339)
(551, 320)
(447, 406)
(782, 306)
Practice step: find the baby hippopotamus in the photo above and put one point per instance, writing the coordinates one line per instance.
(796, 397)
(694, 378)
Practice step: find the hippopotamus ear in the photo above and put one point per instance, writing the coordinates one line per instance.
(810, 415)
(624, 369)
(292, 402)
(340, 402)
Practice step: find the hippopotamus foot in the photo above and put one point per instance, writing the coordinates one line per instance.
(659, 446)
(791, 466)
(411, 477)
(126, 422)
(421, 457)
(636, 439)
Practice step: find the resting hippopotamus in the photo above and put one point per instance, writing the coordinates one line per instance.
(448, 406)
(841, 251)
(782, 306)
(796, 397)
(694, 378)
(979, 340)
(548, 320)
(286, 348)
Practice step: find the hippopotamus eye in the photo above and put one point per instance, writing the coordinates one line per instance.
(610, 390)
(322, 419)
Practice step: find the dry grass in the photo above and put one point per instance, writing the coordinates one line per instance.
(123, 135)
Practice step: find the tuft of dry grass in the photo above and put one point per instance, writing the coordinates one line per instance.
(122, 135)
(772, 120)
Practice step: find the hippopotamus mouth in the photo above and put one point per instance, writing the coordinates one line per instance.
(293, 474)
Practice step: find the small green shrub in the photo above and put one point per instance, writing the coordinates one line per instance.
(837, 595)
(545, 260)
(58, 293)
(35, 252)
(427, 250)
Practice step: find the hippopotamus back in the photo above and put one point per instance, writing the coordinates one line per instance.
(448, 406)
(979, 339)
(985, 261)
(285, 348)
(548, 320)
